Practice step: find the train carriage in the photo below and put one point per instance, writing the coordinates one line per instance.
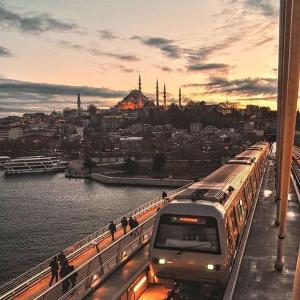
(197, 234)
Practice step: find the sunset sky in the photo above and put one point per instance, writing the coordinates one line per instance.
(215, 50)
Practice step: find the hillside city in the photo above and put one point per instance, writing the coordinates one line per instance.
(140, 135)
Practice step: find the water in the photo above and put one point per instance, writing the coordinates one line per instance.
(42, 214)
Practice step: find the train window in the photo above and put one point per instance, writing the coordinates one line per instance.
(233, 221)
(237, 215)
(188, 233)
(241, 208)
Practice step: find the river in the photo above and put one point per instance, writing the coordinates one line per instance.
(42, 214)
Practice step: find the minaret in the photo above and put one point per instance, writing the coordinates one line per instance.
(140, 83)
(78, 104)
(140, 105)
(179, 98)
(165, 98)
(157, 94)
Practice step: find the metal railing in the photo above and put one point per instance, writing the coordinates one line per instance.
(27, 279)
(96, 269)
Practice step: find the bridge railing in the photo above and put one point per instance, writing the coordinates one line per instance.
(25, 280)
(96, 269)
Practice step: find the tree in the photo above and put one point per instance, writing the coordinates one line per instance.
(88, 164)
(159, 162)
(130, 166)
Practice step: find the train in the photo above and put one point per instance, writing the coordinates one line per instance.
(196, 235)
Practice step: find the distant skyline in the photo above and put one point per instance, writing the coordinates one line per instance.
(215, 50)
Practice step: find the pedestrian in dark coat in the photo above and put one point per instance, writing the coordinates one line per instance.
(54, 269)
(73, 276)
(112, 228)
(124, 224)
(135, 224)
(64, 271)
(62, 259)
(131, 224)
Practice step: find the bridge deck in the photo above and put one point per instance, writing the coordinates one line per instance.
(258, 278)
(42, 285)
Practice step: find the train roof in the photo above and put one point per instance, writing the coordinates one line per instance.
(222, 182)
(218, 185)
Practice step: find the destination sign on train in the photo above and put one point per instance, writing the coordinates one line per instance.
(188, 220)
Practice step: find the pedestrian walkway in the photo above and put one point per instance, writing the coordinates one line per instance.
(42, 285)
(258, 279)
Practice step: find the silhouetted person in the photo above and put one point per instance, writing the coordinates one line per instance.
(54, 270)
(112, 228)
(135, 224)
(73, 276)
(124, 224)
(131, 224)
(64, 271)
(62, 259)
(164, 194)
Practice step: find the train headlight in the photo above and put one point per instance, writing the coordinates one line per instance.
(162, 261)
(212, 267)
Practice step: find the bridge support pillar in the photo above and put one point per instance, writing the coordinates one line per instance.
(289, 69)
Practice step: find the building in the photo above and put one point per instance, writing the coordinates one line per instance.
(195, 128)
(3, 134)
(15, 133)
(135, 100)
(111, 122)
(131, 143)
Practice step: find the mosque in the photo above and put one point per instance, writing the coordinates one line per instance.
(135, 100)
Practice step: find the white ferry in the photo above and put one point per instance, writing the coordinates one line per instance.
(33, 164)
(3, 159)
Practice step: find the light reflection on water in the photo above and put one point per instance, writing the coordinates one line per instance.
(41, 214)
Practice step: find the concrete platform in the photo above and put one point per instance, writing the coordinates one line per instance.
(120, 279)
(258, 279)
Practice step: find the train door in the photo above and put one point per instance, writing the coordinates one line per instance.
(231, 240)
(235, 227)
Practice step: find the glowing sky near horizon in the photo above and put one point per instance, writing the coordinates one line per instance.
(216, 50)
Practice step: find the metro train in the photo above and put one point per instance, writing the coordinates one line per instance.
(196, 236)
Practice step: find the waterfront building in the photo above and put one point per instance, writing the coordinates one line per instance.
(15, 133)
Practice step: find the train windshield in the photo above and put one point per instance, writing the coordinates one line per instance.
(188, 233)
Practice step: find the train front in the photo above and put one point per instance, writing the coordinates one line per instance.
(189, 244)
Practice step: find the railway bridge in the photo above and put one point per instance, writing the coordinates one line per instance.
(266, 265)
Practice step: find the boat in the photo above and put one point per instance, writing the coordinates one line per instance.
(3, 159)
(33, 164)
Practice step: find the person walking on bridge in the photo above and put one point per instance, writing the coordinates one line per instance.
(54, 269)
(124, 224)
(112, 228)
(131, 224)
(62, 259)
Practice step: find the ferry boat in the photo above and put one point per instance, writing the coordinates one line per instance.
(3, 159)
(33, 164)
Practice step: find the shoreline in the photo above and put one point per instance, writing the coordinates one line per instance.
(139, 181)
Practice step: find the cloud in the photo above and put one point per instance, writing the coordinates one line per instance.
(32, 23)
(266, 7)
(125, 69)
(242, 87)
(208, 67)
(164, 68)
(107, 34)
(68, 44)
(166, 46)
(125, 57)
(15, 86)
(20, 96)
(4, 52)
(264, 41)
